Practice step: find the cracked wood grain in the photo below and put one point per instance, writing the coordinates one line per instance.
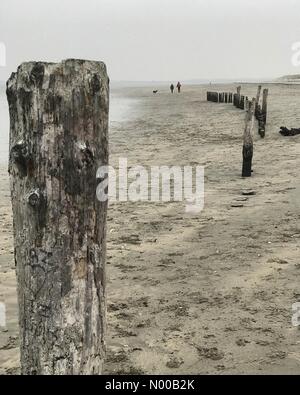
(58, 139)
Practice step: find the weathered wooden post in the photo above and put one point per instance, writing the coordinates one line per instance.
(235, 98)
(261, 125)
(265, 105)
(242, 103)
(261, 114)
(248, 141)
(238, 99)
(58, 139)
(257, 101)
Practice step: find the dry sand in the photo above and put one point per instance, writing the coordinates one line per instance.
(210, 293)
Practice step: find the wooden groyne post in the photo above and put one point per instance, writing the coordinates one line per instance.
(261, 113)
(235, 99)
(227, 97)
(261, 123)
(257, 101)
(238, 96)
(58, 139)
(242, 103)
(213, 97)
(248, 141)
(264, 109)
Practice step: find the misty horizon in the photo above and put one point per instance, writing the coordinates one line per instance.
(195, 81)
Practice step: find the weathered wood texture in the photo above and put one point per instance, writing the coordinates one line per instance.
(58, 139)
(217, 97)
(257, 101)
(242, 103)
(213, 97)
(261, 123)
(238, 97)
(264, 108)
(248, 141)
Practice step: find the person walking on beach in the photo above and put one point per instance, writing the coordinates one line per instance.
(178, 86)
(172, 87)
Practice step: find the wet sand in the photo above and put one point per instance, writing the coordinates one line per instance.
(209, 293)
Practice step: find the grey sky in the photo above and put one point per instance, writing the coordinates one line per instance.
(156, 39)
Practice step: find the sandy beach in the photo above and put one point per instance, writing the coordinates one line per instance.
(194, 294)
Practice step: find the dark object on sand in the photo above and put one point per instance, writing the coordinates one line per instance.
(155, 92)
(248, 192)
(289, 132)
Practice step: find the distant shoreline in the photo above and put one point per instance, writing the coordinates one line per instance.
(140, 84)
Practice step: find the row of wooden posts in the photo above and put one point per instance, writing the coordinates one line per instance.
(253, 110)
(217, 97)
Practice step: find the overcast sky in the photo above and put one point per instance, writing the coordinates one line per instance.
(156, 39)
